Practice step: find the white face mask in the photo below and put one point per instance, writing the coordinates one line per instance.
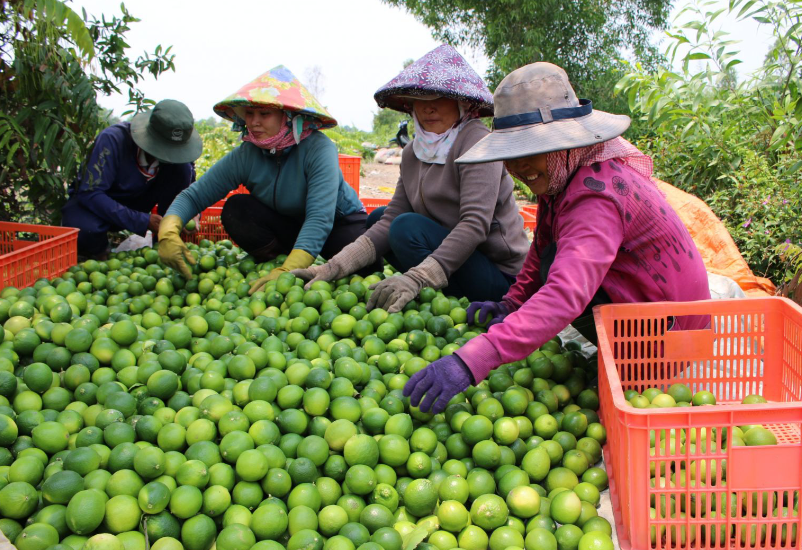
(433, 148)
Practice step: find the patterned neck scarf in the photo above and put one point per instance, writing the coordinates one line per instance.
(562, 165)
(293, 130)
(149, 170)
(433, 148)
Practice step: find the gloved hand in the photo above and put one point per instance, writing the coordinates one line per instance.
(297, 259)
(495, 312)
(393, 293)
(192, 225)
(353, 257)
(172, 250)
(440, 381)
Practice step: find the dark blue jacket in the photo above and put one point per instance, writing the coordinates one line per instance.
(112, 184)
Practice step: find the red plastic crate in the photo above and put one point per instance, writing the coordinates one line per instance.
(350, 169)
(754, 346)
(25, 258)
(372, 204)
(210, 227)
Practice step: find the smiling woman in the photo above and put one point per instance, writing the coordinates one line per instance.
(532, 170)
(605, 233)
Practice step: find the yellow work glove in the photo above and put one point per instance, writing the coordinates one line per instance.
(297, 259)
(172, 249)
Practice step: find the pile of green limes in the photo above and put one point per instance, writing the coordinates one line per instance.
(140, 410)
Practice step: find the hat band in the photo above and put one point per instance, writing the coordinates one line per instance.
(544, 115)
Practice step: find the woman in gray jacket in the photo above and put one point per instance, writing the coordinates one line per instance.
(450, 226)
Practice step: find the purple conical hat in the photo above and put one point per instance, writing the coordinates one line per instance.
(441, 72)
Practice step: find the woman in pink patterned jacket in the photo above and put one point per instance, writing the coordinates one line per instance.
(604, 234)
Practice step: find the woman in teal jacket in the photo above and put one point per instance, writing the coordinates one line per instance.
(299, 204)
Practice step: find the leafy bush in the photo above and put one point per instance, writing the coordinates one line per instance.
(49, 114)
(218, 139)
(349, 140)
(734, 144)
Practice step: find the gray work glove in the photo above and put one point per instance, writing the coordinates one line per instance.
(393, 293)
(353, 257)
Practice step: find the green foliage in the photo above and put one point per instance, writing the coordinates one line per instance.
(349, 140)
(791, 254)
(385, 126)
(761, 210)
(734, 144)
(49, 114)
(585, 37)
(218, 139)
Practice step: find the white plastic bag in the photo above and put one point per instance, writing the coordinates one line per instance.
(722, 287)
(135, 242)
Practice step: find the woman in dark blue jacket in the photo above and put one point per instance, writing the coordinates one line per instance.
(132, 168)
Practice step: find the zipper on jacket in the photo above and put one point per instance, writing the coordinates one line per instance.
(275, 184)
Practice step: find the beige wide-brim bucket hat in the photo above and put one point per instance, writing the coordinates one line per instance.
(537, 111)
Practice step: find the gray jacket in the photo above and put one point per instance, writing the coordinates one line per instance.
(474, 201)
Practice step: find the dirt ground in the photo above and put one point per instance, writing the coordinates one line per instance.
(378, 180)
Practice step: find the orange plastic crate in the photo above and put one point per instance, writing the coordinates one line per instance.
(754, 346)
(350, 169)
(530, 222)
(210, 227)
(24, 258)
(372, 204)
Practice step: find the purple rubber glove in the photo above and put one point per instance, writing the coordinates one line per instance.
(493, 311)
(440, 381)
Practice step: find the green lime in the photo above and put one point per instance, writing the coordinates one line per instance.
(154, 497)
(361, 449)
(86, 511)
(18, 500)
(420, 497)
(540, 539)
(489, 511)
(235, 537)
(37, 536)
(198, 533)
(122, 514)
(60, 487)
(453, 515)
(269, 522)
(506, 537)
(566, 507)
(375, 517)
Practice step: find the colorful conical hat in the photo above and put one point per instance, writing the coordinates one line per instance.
(276, 88)
(443, 72)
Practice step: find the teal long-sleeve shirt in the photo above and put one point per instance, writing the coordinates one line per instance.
(303, 182)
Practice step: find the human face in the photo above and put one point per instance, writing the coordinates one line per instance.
(263, 122)
(533, 171)
(436, 115)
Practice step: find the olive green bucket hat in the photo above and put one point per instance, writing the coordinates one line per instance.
(167, 132)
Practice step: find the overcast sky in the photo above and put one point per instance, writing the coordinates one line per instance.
(357, 44)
